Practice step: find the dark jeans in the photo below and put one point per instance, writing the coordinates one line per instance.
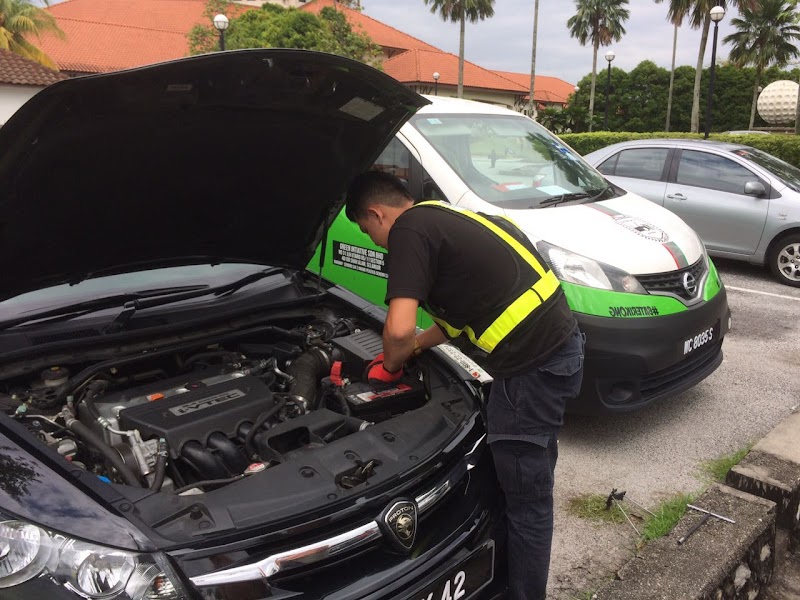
(525, 460)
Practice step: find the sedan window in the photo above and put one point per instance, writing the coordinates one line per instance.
(702, 169)
(641, 163)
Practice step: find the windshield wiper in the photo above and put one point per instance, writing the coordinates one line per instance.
(133, 301)
(592, 195)
(563, 198)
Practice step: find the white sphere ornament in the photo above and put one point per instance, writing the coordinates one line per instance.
(777, 102)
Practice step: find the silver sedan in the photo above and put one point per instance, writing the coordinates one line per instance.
(743, 202)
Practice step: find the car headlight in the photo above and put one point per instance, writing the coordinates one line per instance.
(574, 268)
(91, 571)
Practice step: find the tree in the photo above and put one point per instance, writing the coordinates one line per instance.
(699, 14)
(272, 26)
(599, 22)
(205, 38)
(764, 36)
(676, 21)
(19, 21)
(459, 11)
(532, 100)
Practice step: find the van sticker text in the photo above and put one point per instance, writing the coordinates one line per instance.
(372, 262)
(633, 311)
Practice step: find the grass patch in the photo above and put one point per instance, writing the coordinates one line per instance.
(666, 517)
(593, 506)
(718, 468)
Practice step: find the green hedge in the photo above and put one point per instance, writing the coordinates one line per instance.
(786, 147)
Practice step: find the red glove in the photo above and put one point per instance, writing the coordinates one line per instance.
(377, 374)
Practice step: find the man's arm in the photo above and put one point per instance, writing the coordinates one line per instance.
(432, 336)
(398, 333)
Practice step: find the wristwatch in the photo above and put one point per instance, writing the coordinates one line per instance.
(417, 348)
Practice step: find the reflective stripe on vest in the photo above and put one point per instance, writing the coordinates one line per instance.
(520, 308)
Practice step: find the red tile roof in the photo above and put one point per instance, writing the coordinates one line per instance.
(547, 89)
(16, 70)
(109, 35)
(380, 33)
(419, 65)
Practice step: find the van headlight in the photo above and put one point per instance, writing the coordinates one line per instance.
(574, 268)
(89, 570)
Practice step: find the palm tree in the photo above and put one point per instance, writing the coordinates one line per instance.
(598, 21)
(699, 14)
(459, 11)
(531, 101)
(764, 37)
(676, 18)
(19, 20)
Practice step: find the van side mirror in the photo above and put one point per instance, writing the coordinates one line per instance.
(755, 188)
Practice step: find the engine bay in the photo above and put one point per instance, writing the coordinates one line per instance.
(198, 417)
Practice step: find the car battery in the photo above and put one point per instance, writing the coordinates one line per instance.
(369, 401)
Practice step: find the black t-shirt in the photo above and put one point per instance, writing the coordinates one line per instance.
(463, 273)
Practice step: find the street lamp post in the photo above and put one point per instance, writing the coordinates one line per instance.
(436, 83)
(717, 13)
(221, 23)
(610, 56)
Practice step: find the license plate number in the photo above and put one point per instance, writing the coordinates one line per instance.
(464, 580)
(700, 339)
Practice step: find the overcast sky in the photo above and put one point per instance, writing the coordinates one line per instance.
(504, 41)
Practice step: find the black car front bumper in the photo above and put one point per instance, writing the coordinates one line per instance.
(466, 520)
(631, 363)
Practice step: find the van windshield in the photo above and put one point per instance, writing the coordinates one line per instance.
(511, 161)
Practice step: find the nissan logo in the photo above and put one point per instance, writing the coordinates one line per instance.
(689, 283)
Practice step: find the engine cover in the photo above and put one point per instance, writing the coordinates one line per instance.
(199, 411)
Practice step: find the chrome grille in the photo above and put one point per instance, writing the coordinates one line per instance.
(673, 282)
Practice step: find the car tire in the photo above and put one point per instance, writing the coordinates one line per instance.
(784, 259)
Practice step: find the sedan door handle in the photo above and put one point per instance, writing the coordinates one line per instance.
(678, 196)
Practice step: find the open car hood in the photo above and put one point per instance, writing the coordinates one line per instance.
(235, 156)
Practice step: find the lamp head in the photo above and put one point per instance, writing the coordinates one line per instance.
(717, 13)
(221, 22)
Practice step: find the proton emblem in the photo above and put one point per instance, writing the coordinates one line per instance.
(689, 283)
(399, 524)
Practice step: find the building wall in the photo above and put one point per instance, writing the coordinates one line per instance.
(496, 97)
(12, 97)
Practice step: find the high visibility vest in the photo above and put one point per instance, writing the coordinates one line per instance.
(527, 302)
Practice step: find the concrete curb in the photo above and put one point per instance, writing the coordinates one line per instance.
(772, 470)
(723, 561)
(720, 561)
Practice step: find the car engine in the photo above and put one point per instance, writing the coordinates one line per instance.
(196, 418)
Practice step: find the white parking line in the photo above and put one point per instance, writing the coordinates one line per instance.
(749, 291)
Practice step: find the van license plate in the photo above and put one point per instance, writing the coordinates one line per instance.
(464, 580)
(701, 338)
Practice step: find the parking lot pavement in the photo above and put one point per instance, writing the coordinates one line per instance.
(659, 452)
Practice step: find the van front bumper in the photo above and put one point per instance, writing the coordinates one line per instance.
(633, 362)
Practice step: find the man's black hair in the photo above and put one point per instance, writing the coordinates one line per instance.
(375, 187)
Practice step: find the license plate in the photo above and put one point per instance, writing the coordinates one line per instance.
(464, 580)
(700, 339)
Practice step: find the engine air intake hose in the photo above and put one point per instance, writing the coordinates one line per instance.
(308, 370)
(113, 457)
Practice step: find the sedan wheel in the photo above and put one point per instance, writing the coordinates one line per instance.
(785, 260)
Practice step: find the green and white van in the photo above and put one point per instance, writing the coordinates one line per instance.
(638, 279)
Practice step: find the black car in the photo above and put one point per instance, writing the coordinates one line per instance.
(184, 412)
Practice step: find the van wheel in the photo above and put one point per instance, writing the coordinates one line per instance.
(784, 259)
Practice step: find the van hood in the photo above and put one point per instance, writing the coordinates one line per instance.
(627, 232)
(228, 157)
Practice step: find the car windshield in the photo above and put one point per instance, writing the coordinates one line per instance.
(784, 171)
(510, 161)
(151, 280)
